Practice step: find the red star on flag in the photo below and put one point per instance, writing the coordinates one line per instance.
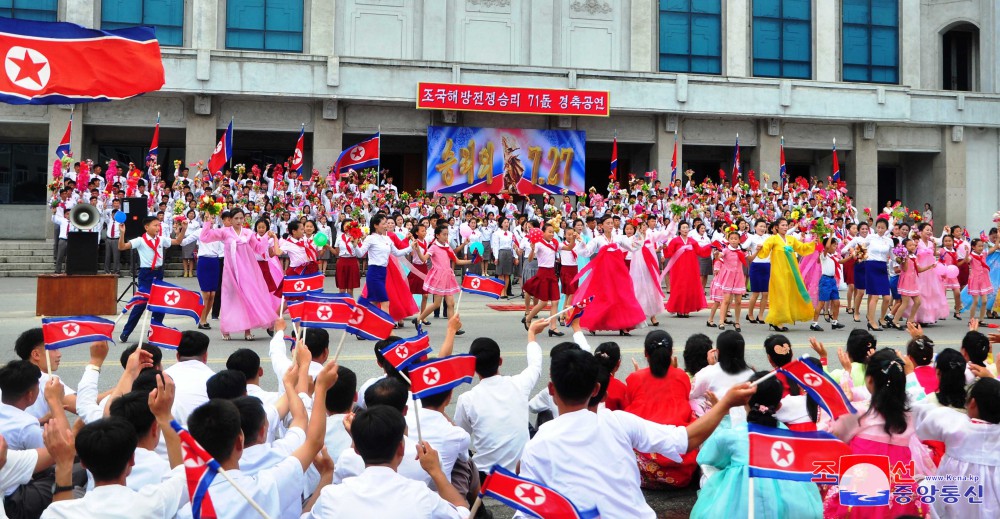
(27, 68)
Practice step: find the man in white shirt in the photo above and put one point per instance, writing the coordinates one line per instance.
(33, 492)
(380, 491)
(112, 256)
(316, 339)
(247, 361)
(30, 346)
(17, 467)
(190, 374)
(495, 411)
(587, 454)
(339, 402)
(19, 383)
(450, 441)
(149, 468)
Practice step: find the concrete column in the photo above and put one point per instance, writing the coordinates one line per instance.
(435, 26)
(322, 24)
(909, 49)
(205, 24)
(826, 25)
(663, 149)
(862, 171)
(948, 178)
(766, 157)
(81, 12)
(643, 39)
(328, 138)
(736, 27)
(542, 30)
(200, 137)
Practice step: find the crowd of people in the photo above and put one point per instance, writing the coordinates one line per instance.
(323, 445)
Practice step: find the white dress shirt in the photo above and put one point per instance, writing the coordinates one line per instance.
(590, 458)
(450, 441)
(337, 437)
(381, 492)
(879, 247)
(350, 464)
(121, 502)
(21, 430)
(190, 377)
(41, 408)
(378, 248)
(276, 489)
(149, 469)
(495, 413)
(17, 471)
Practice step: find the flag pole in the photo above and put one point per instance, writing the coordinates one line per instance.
(143, 330)
(230, 137)
(750, 514)
(416, 413)
(340, 345)
(765, 377)
(48, 360)
(378, 165)
(222, 472)
(476, 506)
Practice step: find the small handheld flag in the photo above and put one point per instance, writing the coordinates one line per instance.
(370, 322)
(200, 469)
(322, 311)
(783, 454)
(163, 336)
(172, 299)
(438, 375)
(223, 151)
(836, 163)
(827, 393)
(298, 286)
(614, 160)
(296, 162)
(154, 146)
(140, 298)
(404, 351)
(482, 285)
(576, 311)
(64, 147)
(60, 332)
(530, 497)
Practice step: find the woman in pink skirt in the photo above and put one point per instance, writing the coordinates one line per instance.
(949, 256)
(440, 280)
(909, 290)
(732, 281)
(714, 289)
(979, 286)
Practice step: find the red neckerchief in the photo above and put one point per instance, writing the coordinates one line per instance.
(307, 246)
(451, 253)
(739, 254)
(554, 245)
(980, 260)
(347, 243)
(155, 245)
(423, 245)
(952, 254)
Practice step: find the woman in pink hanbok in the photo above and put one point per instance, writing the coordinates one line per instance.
(934, 302)
(246, 301)
(810, 268)
(645, 271)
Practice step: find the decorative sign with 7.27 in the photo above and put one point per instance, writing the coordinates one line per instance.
(495, 160)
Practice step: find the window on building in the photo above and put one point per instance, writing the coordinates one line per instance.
(274, 25)
(782, 38)
(871, 41)
(167, 16)
(23, 170)
(960, 58)
(41, 10)
(691, 36)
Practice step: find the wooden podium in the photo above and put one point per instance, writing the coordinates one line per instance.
(61, 295)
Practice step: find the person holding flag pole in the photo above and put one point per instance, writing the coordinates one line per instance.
(150, 246)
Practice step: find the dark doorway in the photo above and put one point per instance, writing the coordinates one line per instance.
(886, 184)
(960, 55)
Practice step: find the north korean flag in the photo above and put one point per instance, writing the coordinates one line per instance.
(65, 146)
(296, 163)
(783, 454)
(223, 151)
(404, 351)
(298, 286)
(200, 469)
(820, 386)
(439, 375)
(363, 155)
(140, 298)
(163, 336)
(530, 497)
(64, 63)
(370, 322)
(60, 332)
(577, 311)
(172, 299)
(317, 311)
(482, 285)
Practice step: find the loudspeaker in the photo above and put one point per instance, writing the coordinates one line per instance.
(135, 213)
(81, 253)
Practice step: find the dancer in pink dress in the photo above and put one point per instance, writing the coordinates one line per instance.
(440, 280)
(909, 290)
(949, 256)
(246, 301)
(979, 286)
(732, 281)
(934, 304)
(811, 268)
(645, 271)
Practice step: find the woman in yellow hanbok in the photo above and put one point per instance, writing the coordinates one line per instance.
(789, 301)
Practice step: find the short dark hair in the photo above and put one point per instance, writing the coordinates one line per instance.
(377, 432)
(228, 384)
(193, 344)
(388, 391)
(696, 352)
(134, 407)
(252, 417)
(341, 395)
(216, 426)
(435, 400)
(487, 353)
(859, 343)
(106, 447)
(28, 341)
(245, 361)
(574, 374)
(771, 343)
(317, 340)
(977, 347)
(17, 378)
(986, 392)
(921, 350)
(146, 380)
(151, 348)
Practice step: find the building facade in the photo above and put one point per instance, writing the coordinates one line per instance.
(909, 88)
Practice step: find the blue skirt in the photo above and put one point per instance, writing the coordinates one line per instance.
(375, 284)
(859, 275)
(208, 273)
(760, 276)
(876, 278)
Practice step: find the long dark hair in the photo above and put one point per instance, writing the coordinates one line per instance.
(765, 401)
(731, 346)
(696, 352)
(889, 390)
(659, 347)
(609, 354)
(951, 378)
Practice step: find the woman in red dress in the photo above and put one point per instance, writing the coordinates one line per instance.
(614, 305)
(686, 292)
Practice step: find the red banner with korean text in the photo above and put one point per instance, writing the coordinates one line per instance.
(543, 101)
(505, 160)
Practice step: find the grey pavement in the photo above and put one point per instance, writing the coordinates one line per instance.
(17, 304)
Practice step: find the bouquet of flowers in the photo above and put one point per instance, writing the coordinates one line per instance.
(820, 229)
(356, 214)
(916, 216)
(212, 206)
(179, 206)
(861, 253)
(898, 212)
(899, 254)
(353, 230)
(241, 169)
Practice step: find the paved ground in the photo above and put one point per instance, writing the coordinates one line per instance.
(17, 303)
